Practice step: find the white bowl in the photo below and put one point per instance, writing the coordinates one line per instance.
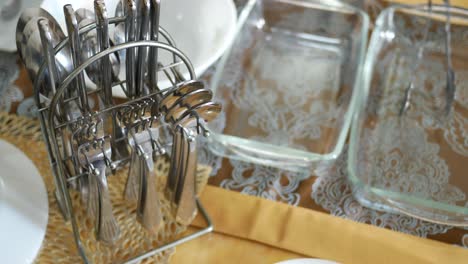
(202, 29)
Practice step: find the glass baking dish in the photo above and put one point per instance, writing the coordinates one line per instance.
(413, 159)
(288, 82)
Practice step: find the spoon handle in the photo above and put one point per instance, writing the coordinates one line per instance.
(102, 28)
(185, 194)
(49, 55)
(130, 11)
(143, 51)
(75, 49)
(174, 164)
(132, 185)
(184, 150)
(149, 209)
(119, 149)
(153, 63)
(107, 229)
(93, 196)
(46, 35)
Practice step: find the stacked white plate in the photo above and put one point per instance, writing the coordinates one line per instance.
(24, 207)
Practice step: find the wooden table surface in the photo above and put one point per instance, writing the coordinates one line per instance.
(217, 246)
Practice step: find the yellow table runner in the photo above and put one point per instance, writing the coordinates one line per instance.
(276, 231)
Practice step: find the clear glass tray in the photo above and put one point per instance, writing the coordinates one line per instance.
(288, 83)
(413, 161)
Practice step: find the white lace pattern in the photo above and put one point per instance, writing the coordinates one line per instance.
(265, 182)
(332, 191)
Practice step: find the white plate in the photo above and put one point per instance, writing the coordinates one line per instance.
(202, 30)
(307, 261)
(8, 24)
(24, 207)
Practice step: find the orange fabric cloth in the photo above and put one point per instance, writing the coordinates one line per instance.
(220, 248)
(254, 230)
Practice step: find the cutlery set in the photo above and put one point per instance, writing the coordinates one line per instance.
(88, 142)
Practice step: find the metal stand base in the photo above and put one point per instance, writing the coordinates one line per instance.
(204, 231)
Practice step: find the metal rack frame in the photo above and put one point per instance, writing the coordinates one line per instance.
(50, 126)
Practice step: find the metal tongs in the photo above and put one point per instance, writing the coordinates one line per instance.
(450, 75)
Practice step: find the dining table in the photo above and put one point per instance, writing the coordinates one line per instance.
(260, 214)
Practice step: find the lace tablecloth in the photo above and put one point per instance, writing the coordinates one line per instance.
(329, 193)
(325, 188)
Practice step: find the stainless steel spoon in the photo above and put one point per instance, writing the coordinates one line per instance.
(188, 101)
(130, 35)
(89, 47)
(143, 51)
(75, 50)
(29, 46)
(74, 44)
(148, 207)
(184, 197)
(172, 95)
(185, 194)
(175, 164)
(119, 147)
(153, 61)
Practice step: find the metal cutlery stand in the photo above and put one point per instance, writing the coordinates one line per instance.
(74, 143)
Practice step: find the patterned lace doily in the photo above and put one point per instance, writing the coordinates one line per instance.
(332, 191)
(266, 182)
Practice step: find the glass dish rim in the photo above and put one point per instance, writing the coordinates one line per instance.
(355, 131)
(303, 157)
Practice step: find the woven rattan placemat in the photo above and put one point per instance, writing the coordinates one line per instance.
(58, 245)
